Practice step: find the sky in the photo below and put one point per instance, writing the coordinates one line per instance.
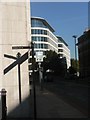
(67, 18)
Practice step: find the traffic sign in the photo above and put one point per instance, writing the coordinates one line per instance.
(39, 56)
(21, 47)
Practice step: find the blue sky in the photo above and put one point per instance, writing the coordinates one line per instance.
(67, 18)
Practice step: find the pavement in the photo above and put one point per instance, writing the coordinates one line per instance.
(72, 93)
(48, 105)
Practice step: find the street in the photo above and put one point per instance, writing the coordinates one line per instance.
(72, 93)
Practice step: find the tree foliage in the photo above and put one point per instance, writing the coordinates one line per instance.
(54, 63)
(75, 64)
(74, 68)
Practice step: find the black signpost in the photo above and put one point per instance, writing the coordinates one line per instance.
(4, 107)
(19, 61)
(19, 57)
(34, 91)
(19, 77)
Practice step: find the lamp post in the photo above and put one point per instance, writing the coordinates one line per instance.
(75, 38)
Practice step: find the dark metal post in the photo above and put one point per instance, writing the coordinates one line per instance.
(74, 36)
(4, 108)
(19, 78)
(75, 51)
(40, 77)
(33, 80)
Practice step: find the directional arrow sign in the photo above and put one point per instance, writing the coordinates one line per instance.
(9, 56)
(21, 47)
(18, 61)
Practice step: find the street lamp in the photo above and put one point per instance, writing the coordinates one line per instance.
(75, 38)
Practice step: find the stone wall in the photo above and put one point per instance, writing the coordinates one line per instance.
(14, 31)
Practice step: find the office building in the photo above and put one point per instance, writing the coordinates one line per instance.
(44, 38)
(63, 50)
(43, 35)
(84, 53)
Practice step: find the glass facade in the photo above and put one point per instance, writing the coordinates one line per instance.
(37, 23)
(36, 38)
(44, 52)
(60, 45)
(60, 55)
(60, 50)
(38, 31)
(40, 45)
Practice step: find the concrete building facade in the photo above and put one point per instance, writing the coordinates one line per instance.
(14, 31)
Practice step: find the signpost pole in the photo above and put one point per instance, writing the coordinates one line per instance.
(19, 78)
(34, 91)
(4, 108)
(40, 77)
(39, 59)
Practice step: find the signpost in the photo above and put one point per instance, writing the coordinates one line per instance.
(34, 91)
(39, 56)
(19, 77)
(0, 108)
(19, 61)
(3, 112)
(39, 59)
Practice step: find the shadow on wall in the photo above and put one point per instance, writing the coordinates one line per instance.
(23, 110)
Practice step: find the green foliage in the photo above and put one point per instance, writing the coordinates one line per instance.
(72, 70)
(53, 62)
(75, 64)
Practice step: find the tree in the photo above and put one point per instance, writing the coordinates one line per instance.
(75, 64)
(54, 63)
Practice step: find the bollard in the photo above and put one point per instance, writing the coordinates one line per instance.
(4, 108)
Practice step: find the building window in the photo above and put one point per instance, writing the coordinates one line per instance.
(60, 45)
(45, 32)
(43, 46)
(38, 23)
(38, 31)
(60, 55)
(35, 45)
(35, 38)
(60, 50)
